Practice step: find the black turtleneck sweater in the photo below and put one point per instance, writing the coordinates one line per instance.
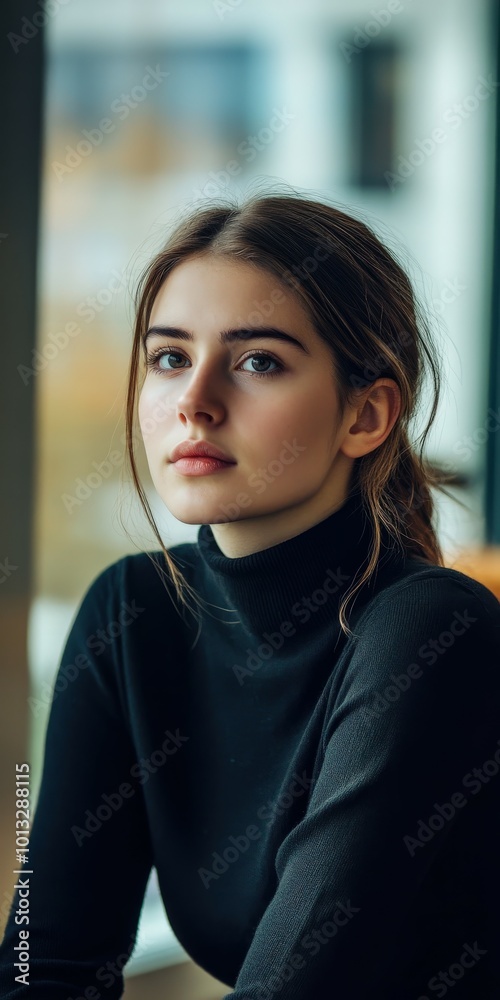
(322, 811)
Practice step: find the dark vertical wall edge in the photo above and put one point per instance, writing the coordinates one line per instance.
(21, 108)
(492, 492)
(21, 76)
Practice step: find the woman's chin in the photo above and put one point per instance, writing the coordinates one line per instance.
(202, 512)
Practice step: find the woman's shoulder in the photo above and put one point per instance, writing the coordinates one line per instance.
(431, 615)
(429, 593)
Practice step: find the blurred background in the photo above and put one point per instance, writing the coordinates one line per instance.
(117, 118)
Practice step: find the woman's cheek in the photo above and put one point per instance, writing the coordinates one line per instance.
(145, 412)
(141, 411)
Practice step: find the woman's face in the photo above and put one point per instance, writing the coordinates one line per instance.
(269, 404)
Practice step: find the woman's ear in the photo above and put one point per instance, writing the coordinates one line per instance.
(372, 419)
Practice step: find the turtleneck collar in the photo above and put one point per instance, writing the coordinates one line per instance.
(300, 580)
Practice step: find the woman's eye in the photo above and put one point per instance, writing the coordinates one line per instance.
(168, 355)
(262, 359)
(155, 358)
(165, 360)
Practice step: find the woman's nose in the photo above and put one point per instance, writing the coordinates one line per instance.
(202, 396)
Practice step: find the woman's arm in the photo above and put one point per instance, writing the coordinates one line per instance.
(349, 873)
(89, 850)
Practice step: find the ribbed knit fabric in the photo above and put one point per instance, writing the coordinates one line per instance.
(323, 812)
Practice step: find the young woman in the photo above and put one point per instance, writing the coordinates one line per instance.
(294, 719)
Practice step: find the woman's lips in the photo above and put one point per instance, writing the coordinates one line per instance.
(199, 465)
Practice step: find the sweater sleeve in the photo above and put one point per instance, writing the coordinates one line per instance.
(90, 854)
(349, 872)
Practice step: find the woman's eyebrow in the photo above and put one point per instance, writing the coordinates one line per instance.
(229, 336)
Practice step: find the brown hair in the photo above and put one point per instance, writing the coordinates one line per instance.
(361, 303)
